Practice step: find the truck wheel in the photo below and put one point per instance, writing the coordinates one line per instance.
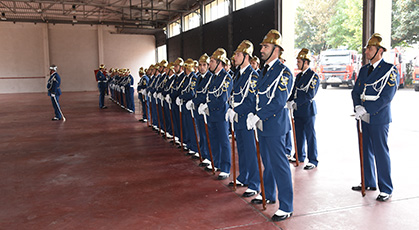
(324, 86)
(417, 88)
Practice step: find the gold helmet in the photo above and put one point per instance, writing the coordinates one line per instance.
(304, 54)
(163, 63)
(376, 40)
(220, 54)
(114, 70)
(245, 47)
(171, 66)
(101, 66)
(255, 59)
(204, 58)
(189, 64)
(179, 61)
(151, 67)
(53, 67)
(141, 70)
(273, 37)
(195, 62)
(124, 71)
(228, 62)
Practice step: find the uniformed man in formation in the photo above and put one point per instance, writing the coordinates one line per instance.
(372, 95)
(301, 102)
(141, 88)
(102, 85)
(121, 85)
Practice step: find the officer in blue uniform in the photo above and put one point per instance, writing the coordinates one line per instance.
(180, 77)
(141, 87)
(101, 83)
(301, 102)
(372, 95)
(203, 81)
(167, 89)
(272, 123)
(187, 93)
(243, 101)
(215, 108)
(54, 91)
(130, 92)
(254, 62)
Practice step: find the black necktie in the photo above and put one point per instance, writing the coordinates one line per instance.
(370, 69)
(265, 69)
(238, 75)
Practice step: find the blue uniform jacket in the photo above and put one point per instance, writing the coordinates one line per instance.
(177, 85)
(303, 92)
(201, 91)
(274, 87)
(142, 84)
(218, 93)
(187, 91)
(379, 110)
(53, 84)
(244, 101)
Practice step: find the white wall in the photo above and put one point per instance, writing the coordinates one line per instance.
(27, 50)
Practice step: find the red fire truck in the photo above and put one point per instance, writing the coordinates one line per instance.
(395, 58)
(415, 74)
(338, 67)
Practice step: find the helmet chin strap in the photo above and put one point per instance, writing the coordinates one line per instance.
(244, 56)
(271, 53)
(376, 52)
(213, 71)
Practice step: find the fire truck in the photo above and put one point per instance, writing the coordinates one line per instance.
(395, 57)
(338, 67)
(415, 74)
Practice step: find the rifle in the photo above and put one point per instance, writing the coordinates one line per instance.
(209, 144)
(171, 121)
(233, 157)
(297, 163)
(180, 123)
(196, 136)
(164, 120)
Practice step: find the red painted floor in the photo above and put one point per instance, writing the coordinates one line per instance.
(102, 169)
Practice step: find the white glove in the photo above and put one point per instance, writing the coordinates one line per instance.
(189, 105)
(168, 99)
(291, 104)
(160, 96)
(52, 94)
(251, 121)
(178, 101)
(202, 108)
(155, 95)
(149, 94)
(360, 111)
(230, 115)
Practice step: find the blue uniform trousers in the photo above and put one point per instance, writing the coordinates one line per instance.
(220, 145)
(189, 129)
(130, 97)
(304, 130)
(374, 140)
(248, 164)
(167, 118)
(203, 142)
(277, 173)
(288, 142)
(55, 105)
(143, 106)
(162, 121)
(176, 120)
(102, 89)
(153, 110)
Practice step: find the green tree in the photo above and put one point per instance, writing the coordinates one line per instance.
(405, 23)
(311, 23)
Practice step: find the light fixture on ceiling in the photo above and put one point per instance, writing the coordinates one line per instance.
(74, 19)
(161, 2)
(137, 22)
(40, 8)
(73, 9)
(3, 16)
(147, 13)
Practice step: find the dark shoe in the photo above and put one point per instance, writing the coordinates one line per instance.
(383, 196)
(249, 193)
(104, 107)
(359, 188)
(309, 166)
(223, 176)
(292, 160)
(238, 183)
(55, 119)
(202, 164)
(258, 200)
(281, 215)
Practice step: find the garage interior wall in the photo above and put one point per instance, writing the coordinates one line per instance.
(28, 49)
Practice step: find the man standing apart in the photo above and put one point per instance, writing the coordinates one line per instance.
(54, 91)
(302, 103)
(101, 83)
(372, 95)
(271, 118)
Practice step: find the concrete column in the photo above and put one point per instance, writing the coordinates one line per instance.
(382, 21)
(100, 45)
(287, 14)
(45, 38)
